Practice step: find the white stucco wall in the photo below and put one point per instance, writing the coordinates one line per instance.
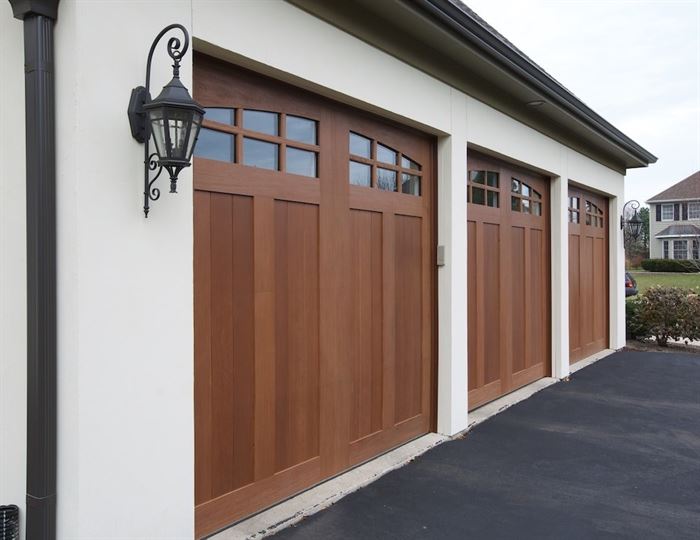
(125, 338)
(125, 283)
(13, 282)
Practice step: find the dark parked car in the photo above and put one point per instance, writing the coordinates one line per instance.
(630, 285)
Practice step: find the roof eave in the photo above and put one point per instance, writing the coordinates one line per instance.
(480, 37)
(682, 199)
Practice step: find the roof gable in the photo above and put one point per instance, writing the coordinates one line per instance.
(688, 188)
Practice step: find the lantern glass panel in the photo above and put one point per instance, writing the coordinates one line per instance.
(194, 133)
(179, 123)
(636, 227)
(158, 130)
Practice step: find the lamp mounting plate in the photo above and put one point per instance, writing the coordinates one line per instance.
(137, 115)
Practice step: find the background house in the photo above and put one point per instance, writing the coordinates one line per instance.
(674, 227)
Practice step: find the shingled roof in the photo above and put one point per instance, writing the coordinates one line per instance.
(689, 188)
(679, 230)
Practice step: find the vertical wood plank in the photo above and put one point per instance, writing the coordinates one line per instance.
(242, 273)
(532, 317)
(409, 292)
(222, 343)
(265, 381)
(472, 319)
(389, 322)
(478, 268)
(202, 341)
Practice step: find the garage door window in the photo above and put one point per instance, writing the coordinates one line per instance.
(594, 215)
(574, 210)
(301, 129)
(221, 115)
(525, 199)
(483, 188)
(373, 164)
(262, 139)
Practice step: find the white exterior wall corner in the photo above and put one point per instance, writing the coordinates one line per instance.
(13, 268)
(452, 282)
(125, 298)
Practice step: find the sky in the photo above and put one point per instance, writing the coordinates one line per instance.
(635, 62)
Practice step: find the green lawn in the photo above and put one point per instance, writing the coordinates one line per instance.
(649, 279)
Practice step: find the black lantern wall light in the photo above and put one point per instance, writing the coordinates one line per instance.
(632, 225)
(173, 118)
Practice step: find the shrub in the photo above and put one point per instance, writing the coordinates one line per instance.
(664, 313)
(690, 325)
(635, 325)
(670, 265)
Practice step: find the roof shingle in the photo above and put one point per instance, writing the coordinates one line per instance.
(688, 188)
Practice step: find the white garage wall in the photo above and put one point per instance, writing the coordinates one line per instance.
(125, 444)
(125, 283)
(13, 282)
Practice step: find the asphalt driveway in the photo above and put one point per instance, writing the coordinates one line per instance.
(614, 453)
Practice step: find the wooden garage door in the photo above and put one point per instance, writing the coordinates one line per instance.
(314, 290)
(508, 286)
(588, 273)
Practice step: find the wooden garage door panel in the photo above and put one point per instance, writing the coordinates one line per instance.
(536, 290)
(226, 237)
(574, 292)
(409, 326)
(314, 298)
(507, 278)
(516, 264)
(472, 292)
(297, 333)
(600, 249)
(366, 322)
(489, 336)
(588, 273)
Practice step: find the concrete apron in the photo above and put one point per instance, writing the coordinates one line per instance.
(323, 495)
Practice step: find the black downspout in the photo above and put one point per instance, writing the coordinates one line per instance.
(39, 17)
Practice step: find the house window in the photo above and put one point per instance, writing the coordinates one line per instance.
(666, 212)
(694, 210)
(680, 249)
(665, 249)
(696, 249)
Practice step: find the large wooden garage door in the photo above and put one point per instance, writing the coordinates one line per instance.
(588, 273)
(314, 290)
(508, 286)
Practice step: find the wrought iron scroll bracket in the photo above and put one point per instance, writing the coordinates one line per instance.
(632, 204)
(141, 130)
